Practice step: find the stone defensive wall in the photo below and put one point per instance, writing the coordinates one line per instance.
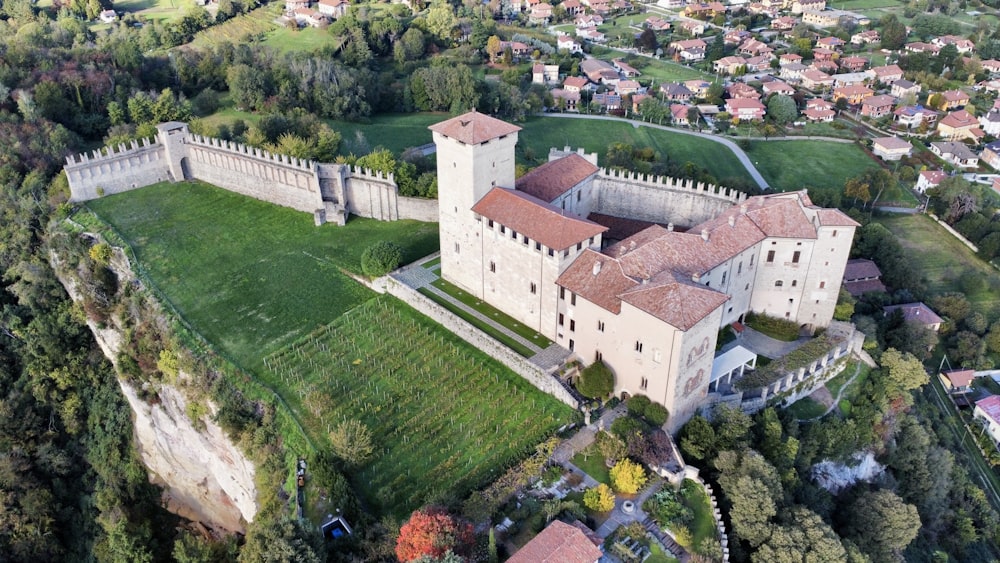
(108, 171)
(372, 194)
(660, 199)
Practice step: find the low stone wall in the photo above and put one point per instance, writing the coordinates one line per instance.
(954, 233)
(660, 199)
(518, 364)
(417, 208)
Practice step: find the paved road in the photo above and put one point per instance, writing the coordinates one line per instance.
(742, 156)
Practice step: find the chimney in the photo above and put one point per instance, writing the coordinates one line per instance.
(704, 235)
(732, 220)
(597, 267)
(631, 245)
(696, 277)
(743, 209)
(670, 227)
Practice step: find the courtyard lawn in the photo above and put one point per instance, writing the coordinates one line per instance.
(250, 276)
(658, 71)
(394, 131)
(702, 526)
(542, 133)
(591, 462)
(446, 417)
(821, 165)
(944, 259)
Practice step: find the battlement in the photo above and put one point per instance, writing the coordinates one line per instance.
(677, 184)
(252, 152)
(372, 175)
(556, 154)
(108, 153)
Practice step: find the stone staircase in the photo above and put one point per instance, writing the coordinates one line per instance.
(668, 542)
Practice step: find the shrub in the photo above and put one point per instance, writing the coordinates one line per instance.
(637, 405)
(656, 414)
(101, 253)
(352, 442)
(625, 427)
(628, 477)
(381, 258)
(596, 381)
(599, 498)
(781, 329)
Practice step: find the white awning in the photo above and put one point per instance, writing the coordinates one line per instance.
(732, 360)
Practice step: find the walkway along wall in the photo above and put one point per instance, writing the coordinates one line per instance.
(545, 382)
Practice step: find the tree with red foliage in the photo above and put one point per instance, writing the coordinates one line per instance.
(432, 531)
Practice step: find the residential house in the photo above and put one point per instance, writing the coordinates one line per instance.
(108, 16)
(953, 99)
(518, 49)
(877, 107)
(862, 276)
(575, 83)
(956, 153)
(957, 380)
(704, 11)
(792, 72)
(627, 70)
(627, 87)
(657, 23)
(928, 179)
(292, 5)
(914, 116)
(991, 66)
(959, 125)
(832, 43)
(826, 18)
(819, 110)
(588, 21)
(738, 90)
(568, 100)
(828, 66)
(754, 48)
(736, 36)
(891, 148)
(865, 37)
(637, 101)
(334, 8)
(592, 35)
(887, 74)
(693, 28)
(816, 80)
(801, 6)
(921, 47)
(745, 109)
(679, 114)
(823, 54)
(852, 64)
(988, 411)
(562, 542)
(568, 43)
(599, 72)
(729, 65)
(760, 63)
(991, 155)
(540, 14)
(777, 87)
(992, 86)
(675, 92)
(850, 79)
(990, 122)
(610, 101)
(699, 88)
(917, 313)
(789, 58)
(689, 50)
(962, 44)
(784, 23)
(853, 94)
(904, 88)
(544, 74)
(573, 7)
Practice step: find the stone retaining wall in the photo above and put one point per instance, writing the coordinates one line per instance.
(545, 382)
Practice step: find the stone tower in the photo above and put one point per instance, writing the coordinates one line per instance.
(475, 153)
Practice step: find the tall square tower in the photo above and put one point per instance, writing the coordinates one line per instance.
(475, 153)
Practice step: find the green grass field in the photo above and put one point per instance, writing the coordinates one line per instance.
(445, 416)
(542, 133)
(662, 70)
(303, 40)
(793, 165)
(155, 9)
(244, 28)
(394, 131)
(703, 525)
(944, 259)
(250, 276)
(591, 462)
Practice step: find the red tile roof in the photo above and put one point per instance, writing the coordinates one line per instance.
(559, 542)
(861, 269)
(960, 377)
(539, 220)
(917, 312)
(556, 177)
(474, 128)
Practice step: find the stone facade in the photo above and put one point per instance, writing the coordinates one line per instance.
(660, 200)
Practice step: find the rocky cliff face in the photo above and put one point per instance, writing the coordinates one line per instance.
(204, 477)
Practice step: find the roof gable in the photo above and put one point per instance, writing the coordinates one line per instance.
(536, 219)
(474, 128)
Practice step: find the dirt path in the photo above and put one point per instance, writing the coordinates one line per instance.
(836, 400)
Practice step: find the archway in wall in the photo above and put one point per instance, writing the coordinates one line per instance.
(625, 395)
(186, 169)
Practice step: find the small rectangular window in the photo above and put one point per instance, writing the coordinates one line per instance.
(739, 268)
(513, 234)
(822, 284)
(538, 246)
(751, 260)
(524, 240)
(579, 246)
(572, 298)
(490, 223)
(562, 319)
(493, 266)
(579, 195)
(600, 326)
(571, 344)
(770, 256)
(779, 283)
(835, 232)
(598, 356)
(638, 346)
(572, 325)
(503, 229)
(795, 283)
(534, 288)
(643, 383)
(552, 252)
(795, 257)
(456, 248)
(562, 293)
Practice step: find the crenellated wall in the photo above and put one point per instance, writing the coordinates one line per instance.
(660, 199)
(109, 171)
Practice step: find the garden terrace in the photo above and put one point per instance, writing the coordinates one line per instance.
(446, 417)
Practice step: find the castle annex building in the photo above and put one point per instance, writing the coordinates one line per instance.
(651, 304)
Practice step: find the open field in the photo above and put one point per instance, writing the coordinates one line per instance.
(250, 276)
(944, 259)
(154, 9)
(244, 28)
(445, 416)
(307, 39)
(793, 165)
(658, 71)
(542, 133)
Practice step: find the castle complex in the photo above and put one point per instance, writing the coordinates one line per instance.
(649, 305)
(637, 272)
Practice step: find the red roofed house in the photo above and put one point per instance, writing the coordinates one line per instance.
(891, 148)
(876, 107)
(568, 43)
(816, 80)
(742, 90)
(957, 380)
(650, 306)
(745, 109)
(862, 276)
(777, 87)
(333, 8)
(853, 94)
(959, 125)
(988, 410)
(917, 313)
(865, 37)
(962, 44)
(887, 74)
(789, 58)
(575, 83)
(560, 542)
(929, 179)
(853, 64)
(915, 116)
(952, 99)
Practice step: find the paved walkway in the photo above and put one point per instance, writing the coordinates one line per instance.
(763, 345)
(585, 436)
(742, 156)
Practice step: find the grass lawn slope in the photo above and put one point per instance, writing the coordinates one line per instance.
(250, 276)
(793, 165)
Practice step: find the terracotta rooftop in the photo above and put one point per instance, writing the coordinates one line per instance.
(891, 143)
(680, 303)
(559, 542)
(535, 218)
(960, 377)
(917, 312)
(556, 177)
(859, 288)
(474, 128)
(861, 269)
